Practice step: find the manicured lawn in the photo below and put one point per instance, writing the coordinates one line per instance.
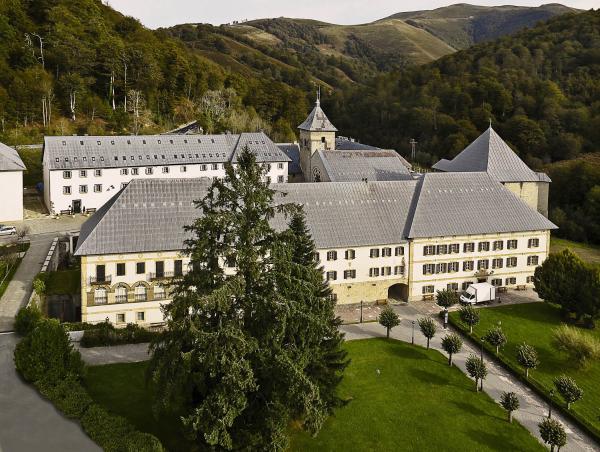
(415, 402)
(533, 323)
(588, 253)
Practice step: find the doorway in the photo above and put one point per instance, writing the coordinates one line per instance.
(77, 206)
(398, 292)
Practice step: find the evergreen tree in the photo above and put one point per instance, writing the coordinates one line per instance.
(313, 328)
(234, 359)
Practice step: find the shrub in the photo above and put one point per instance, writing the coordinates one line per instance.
(527, 357)
(68, 396)
(568, 389)
(46, 353)
(580, 347)
(115, 434)
(26, 319)
(510, 402)
(388, 319)
(470, 316)
(105, 334)
(495, 337)
(451, 343)
(428, 328)
(553, 433)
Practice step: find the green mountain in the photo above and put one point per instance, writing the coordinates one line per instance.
(78, 66)
(539, 88)
(338, 53)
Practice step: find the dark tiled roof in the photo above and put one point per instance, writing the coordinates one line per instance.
(149, 150)
(491, 154)
(10, 160)
(292, 150)
(149, 214)
(372, 165)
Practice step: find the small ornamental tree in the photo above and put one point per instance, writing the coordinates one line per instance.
(495, 337)
(446, 298)
(510, 402)
(477, 369)
(527, 357)
(428, 328)
(568, 389)
(451, 343)
(553, 433)
(388, 319)
(470, 316)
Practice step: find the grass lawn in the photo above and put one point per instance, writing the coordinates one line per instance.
(588, 253)
(416, 403)
(533, 323)
(32, 158)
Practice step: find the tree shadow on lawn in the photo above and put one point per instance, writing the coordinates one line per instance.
(409, 352)
(494, 441)
(472, 409)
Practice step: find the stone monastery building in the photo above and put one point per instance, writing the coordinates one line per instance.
(381, 231)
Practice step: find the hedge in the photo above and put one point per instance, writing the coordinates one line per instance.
(106, 334)
(46, 358)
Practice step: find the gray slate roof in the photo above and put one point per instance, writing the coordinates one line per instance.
(317, 121)
(292, 150)
(10, 160)
(373, 165)
(470, 203)
(149, 214)
(491, 154)
(345, 144)
(150, 150)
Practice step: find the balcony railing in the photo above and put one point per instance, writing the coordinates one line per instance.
(141, 297)
(94, 280)
(160, 295)
(100, 300)
(120, 298)
(159, 276)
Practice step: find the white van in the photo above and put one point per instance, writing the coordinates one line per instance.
(478, 293)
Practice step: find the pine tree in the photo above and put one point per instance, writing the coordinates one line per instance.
(313, 329)
(239, 357)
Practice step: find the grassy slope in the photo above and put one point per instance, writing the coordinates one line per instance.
(416, 403)
(589, 253)
(534, 323)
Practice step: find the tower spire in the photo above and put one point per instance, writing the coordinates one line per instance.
(318, 95)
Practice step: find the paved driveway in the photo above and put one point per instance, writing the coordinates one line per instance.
(29, 423)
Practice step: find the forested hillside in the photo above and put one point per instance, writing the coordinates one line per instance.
(541, 90)
(77, 66)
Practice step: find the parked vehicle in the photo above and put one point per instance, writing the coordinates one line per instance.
(478, 293)
(7, 230)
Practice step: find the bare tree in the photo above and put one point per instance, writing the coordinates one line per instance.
(73, 102)
(137, 105)
(29, 43)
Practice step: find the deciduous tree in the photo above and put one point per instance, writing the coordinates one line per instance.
(451, 343)
(428, 328)
(527, 357)
(388, 319)
(510, 402)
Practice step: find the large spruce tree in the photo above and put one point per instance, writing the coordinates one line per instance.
(244, 354)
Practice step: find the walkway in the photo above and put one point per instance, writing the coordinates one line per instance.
(533, 408)
(131, 353)
(19, 289)
(27, 421)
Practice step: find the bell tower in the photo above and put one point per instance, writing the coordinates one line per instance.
(317, 133)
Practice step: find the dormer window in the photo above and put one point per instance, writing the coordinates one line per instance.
(64, 143)
(81, 142)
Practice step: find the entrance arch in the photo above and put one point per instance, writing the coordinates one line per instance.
(398, 292)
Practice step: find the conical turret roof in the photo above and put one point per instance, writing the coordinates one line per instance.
(317, 121)
(490, 153)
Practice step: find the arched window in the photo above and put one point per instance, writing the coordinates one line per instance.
(100, 296)
(159, 293)
(121, 294)
(141, 293)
